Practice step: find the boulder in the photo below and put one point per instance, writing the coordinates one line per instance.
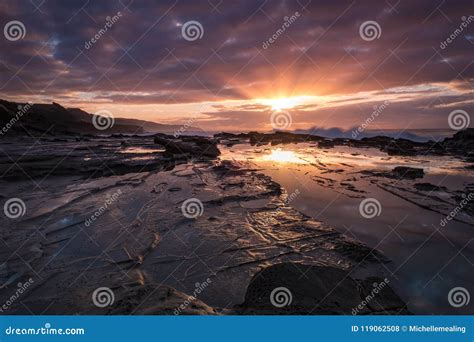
(405, 172)
(192, 146)
(293, 288)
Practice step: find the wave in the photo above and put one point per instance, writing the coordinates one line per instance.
(418, 135)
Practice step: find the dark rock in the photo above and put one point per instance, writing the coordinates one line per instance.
(462, 143)
(308, 289)
(429, 187)
(405, 172)
(399, 172)
(384, 301)
(277, 138)
(71, 156)
(326, 144)
(193, 146)
(157, 299)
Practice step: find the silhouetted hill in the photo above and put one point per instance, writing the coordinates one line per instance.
(54, 119)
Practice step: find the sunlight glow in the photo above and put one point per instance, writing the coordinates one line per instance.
(283, 102)
(280, 104)
(282, 156)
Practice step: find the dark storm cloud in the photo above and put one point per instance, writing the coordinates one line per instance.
(143, 58)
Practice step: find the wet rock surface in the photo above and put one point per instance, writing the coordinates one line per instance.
(108, 212)
(412, 220)
(129, 233)
(80, 156)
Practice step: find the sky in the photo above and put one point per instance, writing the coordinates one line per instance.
(245, 65)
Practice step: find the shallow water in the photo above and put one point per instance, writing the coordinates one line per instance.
(141, 150)
(427, 259)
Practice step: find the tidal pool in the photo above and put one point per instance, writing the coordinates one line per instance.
(427, 258)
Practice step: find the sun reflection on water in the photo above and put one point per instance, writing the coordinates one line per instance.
(284, 156)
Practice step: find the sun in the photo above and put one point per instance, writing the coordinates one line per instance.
(282, 103)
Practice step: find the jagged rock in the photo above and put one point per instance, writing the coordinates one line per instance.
(192, 146)
(462, 143)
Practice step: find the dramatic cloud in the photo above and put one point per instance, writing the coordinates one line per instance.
(130, 57)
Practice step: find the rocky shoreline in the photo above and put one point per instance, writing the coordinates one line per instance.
(246, 241)
(460, 145)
